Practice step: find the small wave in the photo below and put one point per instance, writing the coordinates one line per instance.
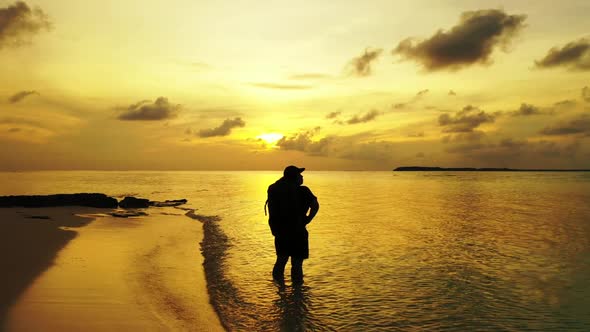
(202, 218)
(223, 293)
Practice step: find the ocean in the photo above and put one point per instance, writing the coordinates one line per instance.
(389, 251)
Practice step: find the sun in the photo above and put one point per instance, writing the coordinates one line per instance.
(270, 139)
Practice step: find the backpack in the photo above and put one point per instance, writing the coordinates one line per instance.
(282, 202)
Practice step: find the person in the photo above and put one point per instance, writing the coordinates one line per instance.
(291, 207)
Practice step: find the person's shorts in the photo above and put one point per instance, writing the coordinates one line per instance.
(295, 245)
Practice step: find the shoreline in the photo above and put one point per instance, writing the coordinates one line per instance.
(485, 169)
(109, 273)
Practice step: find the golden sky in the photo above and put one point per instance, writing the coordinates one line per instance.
(327, 85)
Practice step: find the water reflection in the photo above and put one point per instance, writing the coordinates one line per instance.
(292, 305)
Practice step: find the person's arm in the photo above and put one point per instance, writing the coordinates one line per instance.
(313, 210)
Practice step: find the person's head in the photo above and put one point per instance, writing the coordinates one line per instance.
(293, 174)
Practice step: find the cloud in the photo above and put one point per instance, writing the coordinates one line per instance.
(473, 136)
(369, 116)
(345, 147)
(333, 115)
(361, 66)
(586, 94)
(516, 152)
(526, 110)
(452, 93)
(568, 103)
(471, 41)
(309, 76)
(18, 23)
(465, 120)
(303, 141)
(279, 86)
(579, 125)
(422, 93)
(224, 129)
(21, 95)
(21, 121)
(574, 55)
(161, 109)
(511, 143)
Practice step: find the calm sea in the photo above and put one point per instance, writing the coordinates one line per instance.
(389, 251)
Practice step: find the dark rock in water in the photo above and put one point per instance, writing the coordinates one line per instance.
(134, 203)
(81, 199)
(127, 214)
(172, 202)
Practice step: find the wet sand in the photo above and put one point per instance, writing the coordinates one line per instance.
(82, 270)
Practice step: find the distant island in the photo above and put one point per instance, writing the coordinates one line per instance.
(471, 169)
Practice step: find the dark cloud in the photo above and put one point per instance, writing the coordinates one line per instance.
(361, 66)
(526, 110)
(465, 120)
(161, 109)
(21, 95)
(568, 103)
(309, 76)
(579, 125)
(555, 150)
(279, 86)
(345, 147)
(574, 55)
(474, 136)
(303, 141)
(369, 116)
(516, 152)
(469, 42)
(224, 129)
(422, 93)
(512, 144)
(586, 94)
(18, 23)
(418, 97)
(14, 130)
(21, 121)
(420, 134)
(333, 115)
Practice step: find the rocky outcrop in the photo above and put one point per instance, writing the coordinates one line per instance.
(80, 199)
(134, 203)
(84, 199)
(173, 202)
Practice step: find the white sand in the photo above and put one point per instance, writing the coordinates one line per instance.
(136, 274)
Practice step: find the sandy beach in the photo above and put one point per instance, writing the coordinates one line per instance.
(73, 269)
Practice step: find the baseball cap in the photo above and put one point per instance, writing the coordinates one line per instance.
(292, 171)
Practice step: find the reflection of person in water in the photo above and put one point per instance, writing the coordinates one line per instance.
(289, 203)
(293, 304)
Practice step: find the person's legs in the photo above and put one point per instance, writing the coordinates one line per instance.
(278, 270)
(296, 270)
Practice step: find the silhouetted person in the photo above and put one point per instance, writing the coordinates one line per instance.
(289, 203)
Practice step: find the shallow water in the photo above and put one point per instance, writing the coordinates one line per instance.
(388, 251)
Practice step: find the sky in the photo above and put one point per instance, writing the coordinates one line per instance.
(326, 85)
